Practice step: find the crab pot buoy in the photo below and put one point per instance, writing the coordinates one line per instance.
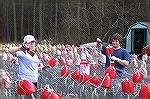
(69, 62)
(84, 79)
(143, 71)
(58, 53)
(77, 60)
(95, 81)
(144, 92)
(107, 82)
(137, 77)
(20, 89)
(76, 75)
(7, 82)
(95, 66)
(71, 54)
(49, 94)
(55, 95)
(4, 79)
(65, 71)
(64, 53)
(112, 72)
(52, 62)
(62, 61)
(26, 87)
(45, 93)
(29, 87)
(127, 86)
(75, 50)
(109, 50)
(84, 68)
(112, 63)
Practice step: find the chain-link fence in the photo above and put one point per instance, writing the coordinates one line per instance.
(61, 74)
(71, 22)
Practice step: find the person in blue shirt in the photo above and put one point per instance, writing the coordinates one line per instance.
(120, 56)
(27, 59)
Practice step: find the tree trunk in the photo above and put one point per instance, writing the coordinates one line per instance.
(40, 20)
(56, 15)
(34, 17)
(86, 22)
(14, 15)
(78, 21)
(22, 14)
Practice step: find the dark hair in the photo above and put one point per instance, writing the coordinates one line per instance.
(117, 37)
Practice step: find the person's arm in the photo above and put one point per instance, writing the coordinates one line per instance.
(14, 50)
(99, 43)
(23, 48)
(123, 62)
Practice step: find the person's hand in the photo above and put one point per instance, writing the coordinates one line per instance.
(98, 42)
(113, 58)
(40, 66)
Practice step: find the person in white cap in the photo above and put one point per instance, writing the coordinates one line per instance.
(27, 59)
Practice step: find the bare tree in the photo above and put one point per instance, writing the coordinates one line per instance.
(34, 17)
(78, 20)
(22, 17)
(56, 15)
(15, 26)
(40, 20)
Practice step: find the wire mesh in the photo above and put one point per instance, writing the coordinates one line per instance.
(68, 86)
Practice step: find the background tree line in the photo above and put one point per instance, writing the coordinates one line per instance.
(69, 21)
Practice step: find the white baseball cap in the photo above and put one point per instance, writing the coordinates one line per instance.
(28, 39)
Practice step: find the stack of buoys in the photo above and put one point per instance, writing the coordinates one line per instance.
(65, 71)
(77, 59)
(52, 62)
(134, 61)
(4, 79)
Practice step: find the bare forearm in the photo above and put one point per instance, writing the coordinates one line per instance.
(123, 62)
(14, 49)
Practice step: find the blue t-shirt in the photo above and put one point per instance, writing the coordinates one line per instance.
(27, 66)
(107, 57)
(123, 54)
